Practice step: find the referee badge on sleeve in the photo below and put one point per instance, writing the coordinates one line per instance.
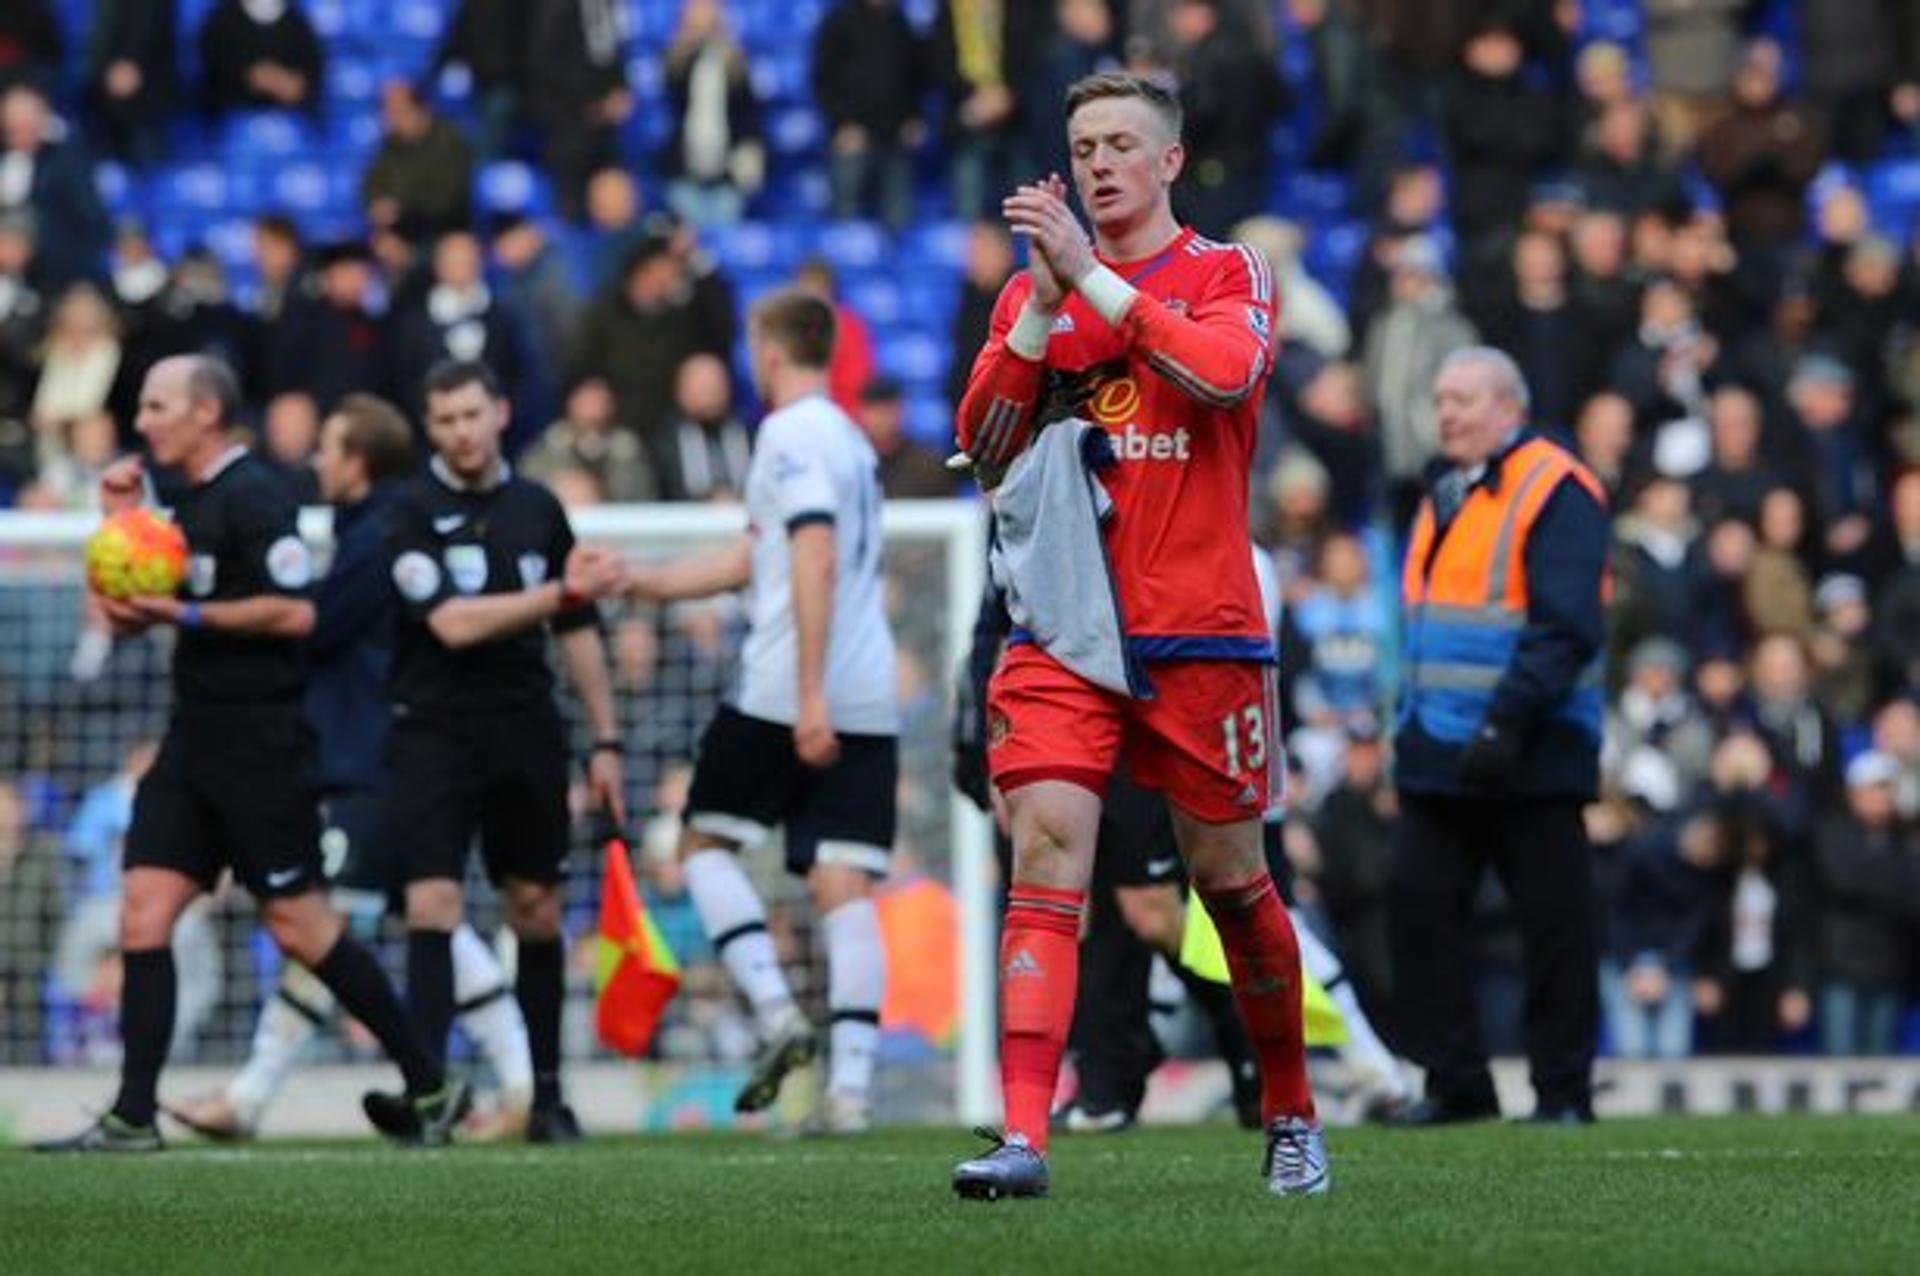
(201, 574)
(416, 576)
(290, 563)
(467, 567)
(533, 570)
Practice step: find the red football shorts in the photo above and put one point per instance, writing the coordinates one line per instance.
(1207, 739)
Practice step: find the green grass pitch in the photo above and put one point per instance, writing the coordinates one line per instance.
(1694, 1196)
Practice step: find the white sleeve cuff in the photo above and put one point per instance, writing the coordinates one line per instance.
(1029, 335)
(1107, 293)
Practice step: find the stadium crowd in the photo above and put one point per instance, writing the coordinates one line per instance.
(1690, 222)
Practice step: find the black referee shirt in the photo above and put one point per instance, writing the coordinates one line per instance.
(243, 540)
(447, 542)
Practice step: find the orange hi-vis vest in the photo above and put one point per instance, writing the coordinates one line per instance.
(1464, 594)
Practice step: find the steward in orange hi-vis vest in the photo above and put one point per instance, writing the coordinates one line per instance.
(1504, 624)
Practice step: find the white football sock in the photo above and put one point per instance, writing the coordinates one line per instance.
(291, 1018)
(856, 983)
(490, 1016)
(731, 914)
(1363, 1049)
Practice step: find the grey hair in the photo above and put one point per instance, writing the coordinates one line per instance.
(212, 379)
(1513, 381)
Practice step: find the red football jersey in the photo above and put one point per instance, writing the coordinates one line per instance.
(1177, 385)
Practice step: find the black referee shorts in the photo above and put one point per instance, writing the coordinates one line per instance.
(232, 787)
(1136, 846)
(502, 777)
(748, 781)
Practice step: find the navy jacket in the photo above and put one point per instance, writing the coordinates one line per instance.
(1566, 627)
(352, 648)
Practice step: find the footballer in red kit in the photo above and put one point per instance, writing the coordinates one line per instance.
(1164, 339)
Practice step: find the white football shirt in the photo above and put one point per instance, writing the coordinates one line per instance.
(811, 463)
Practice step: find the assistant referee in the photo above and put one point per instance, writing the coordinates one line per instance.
(478, 746)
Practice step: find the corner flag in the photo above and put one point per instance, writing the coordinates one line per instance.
(637, 975)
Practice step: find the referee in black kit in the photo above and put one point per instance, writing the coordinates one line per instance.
(478, 557)
(234, 783)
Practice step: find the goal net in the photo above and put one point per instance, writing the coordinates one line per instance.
(77, 724)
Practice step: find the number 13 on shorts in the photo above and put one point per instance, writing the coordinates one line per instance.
(1246, 745)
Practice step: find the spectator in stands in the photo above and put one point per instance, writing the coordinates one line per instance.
(1415, 201)
(1663, 369)
(132, 77)
(1761, 156)
(1502, 132)
(1753, 978)
(1654, 712)
(31, 44)
(616, 223)
(259, 54)
(489, 40)
(51, 180)
(1897, 606)
(195, 314)
(978, 50)
(1231, 94)
(852, 364)
(536, 282)
(1330, 419)
(331, 345)
(1779, 593)
(1843, 475)
(577, 86)
(1603, 438)
(1354, 827)
(1347, 631)
(423, 169)
(1847, 50)
(1081, 43)
(1719, 623)
(1599, 281)
(1652, 563)
(1314, 318)
(289, 437)
(460, 318)
(715, 159)
(1621, 167)
(70, 478)
(279, 264)
(1661, 908)
(587, 438)
(1867, 868)
(1861, 305)
(987, 265)
(81, 359)
(1738, 475)
(908, 471)
(1603, 74)
(703, 453)
(868, 76)
(1798, 732)
(641, 329)
(30, 912)
(1845, 672)
(22, 324)
(1549, 335)
(1404, 347)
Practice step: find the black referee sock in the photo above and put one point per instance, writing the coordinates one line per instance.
(148, 990)
(1216, 1003)
(430, 987)
(541, 984)
(354, 977)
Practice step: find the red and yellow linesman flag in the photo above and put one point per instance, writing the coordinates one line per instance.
(637, 974)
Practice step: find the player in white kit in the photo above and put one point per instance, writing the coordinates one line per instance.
(808, 738)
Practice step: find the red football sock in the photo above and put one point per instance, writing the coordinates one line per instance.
(1039, 972)
(1264, 959)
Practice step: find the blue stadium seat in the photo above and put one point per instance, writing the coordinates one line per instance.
(929, 420)
(795, 131)
(418, 19)
(509, 186)
(1893, 189)
(231, 240)
(265, 135)
(116, 188)
(195, 188)
(937, 244)
(877, 299)
(913, 357)
(852, 245)
(309, 188)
